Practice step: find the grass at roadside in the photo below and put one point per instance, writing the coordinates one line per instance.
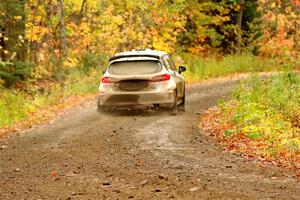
(262, 119)
(216, 66)
(17, 105)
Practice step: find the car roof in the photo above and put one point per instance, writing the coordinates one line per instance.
(139, 53)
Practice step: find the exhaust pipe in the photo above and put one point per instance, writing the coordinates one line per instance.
(151, 107)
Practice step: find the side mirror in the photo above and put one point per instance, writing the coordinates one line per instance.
(181, 69)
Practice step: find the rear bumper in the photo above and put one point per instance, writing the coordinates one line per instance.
(165, 98)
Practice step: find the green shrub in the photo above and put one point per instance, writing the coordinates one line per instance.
(269, 109)
(91, 61)
(14, 71)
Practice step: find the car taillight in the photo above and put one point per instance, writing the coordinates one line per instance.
(105, 80)
(164, 77)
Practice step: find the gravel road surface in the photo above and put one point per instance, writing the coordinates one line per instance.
(135, 154)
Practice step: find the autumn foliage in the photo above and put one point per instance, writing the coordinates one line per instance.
(261, 121)
(50, 37)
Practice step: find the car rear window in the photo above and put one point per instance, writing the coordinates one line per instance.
(135, 67)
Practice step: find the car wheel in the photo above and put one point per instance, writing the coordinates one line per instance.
(181, 106)
(100, 109)
(174, 108)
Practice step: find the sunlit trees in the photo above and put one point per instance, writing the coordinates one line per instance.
(56, 35)
(280, 27)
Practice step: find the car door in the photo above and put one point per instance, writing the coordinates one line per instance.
(174, 72)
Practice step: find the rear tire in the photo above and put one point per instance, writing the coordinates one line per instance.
(174, 108)
(181, 106)
(100, 109)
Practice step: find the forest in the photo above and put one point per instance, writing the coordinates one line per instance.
(54, 50)
(45, 40)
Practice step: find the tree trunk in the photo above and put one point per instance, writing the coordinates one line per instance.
(239, 24)
(62, 33)
(33, 44)
(2, 43)
(50, 37)
(82, 11)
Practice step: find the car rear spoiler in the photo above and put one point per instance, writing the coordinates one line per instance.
(130, 56)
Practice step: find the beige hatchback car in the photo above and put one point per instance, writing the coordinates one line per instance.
(142, 79)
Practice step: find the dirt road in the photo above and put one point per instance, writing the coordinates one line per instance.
(139, 155)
